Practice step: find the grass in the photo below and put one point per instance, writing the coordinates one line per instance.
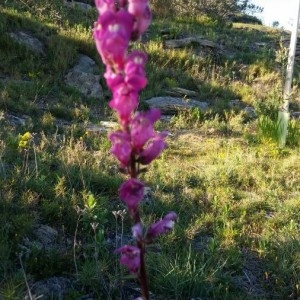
(236, 193)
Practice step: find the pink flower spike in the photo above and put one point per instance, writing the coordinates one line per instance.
(162, 226)
(142, 127)
(137, 7)
(105, 5)
(124, 102)
(153, 149)
(141, 24)
(113, 79)
(121, 146)
(135, 74)
(130, 257)
(137, 231)
(132, 192)
(112, 34)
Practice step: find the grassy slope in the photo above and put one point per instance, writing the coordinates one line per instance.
(236, 194)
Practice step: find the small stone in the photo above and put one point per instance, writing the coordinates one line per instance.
(295, 115)
(148, 196)
(249, 111)
(235, 103)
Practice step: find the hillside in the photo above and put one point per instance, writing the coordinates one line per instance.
(237, 195)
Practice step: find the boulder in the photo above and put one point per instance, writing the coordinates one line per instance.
(181, 43)
(295, 115)
(171, 105)
(32, 43)
(84, 77)
(51, 288)
(77, 4)
(180, 92)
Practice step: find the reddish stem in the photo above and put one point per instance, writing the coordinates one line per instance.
(143, 274)
(143, 278)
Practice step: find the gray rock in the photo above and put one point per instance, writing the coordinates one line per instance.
(77, 4)
(249, 111)
(235, 103)
(181, 43)
(295, 114)
(148, 196)
(51, 288)
(86, 65)
(170, 105)
(15, 121)
(46, 235)
(179, 92)
(84, 77)
(104, 126)
(29, 41)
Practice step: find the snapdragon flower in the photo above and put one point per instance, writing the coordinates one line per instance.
(130, 257)
(136, 142)
(162, 226)
(132, 192)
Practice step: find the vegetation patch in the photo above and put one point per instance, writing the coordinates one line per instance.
(237, 194)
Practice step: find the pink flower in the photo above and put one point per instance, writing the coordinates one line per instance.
(125, 101)
(153, 149)
(161, 227)
(137, 231)
(130, 257)
(141, 24)
(105, 5)
(137, 7)
(113, 79)
(112, 33)
(135, 74)
(142, 127)
(132, 192)
(121, 146)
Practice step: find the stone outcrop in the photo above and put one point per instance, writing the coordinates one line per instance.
(30, 42)
(184, 42)
(171, 105)
(77, 4)
(84, 77)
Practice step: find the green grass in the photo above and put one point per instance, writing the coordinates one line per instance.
(236, 193)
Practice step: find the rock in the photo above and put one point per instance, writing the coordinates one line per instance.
(235, 103)
(249, 111)
(179, 92)
(51, 288)
(170, 105)
(261, 44)
(84, 77)
(295, 115)
(86, 65)
(103, 127)
(148, 196)
(165, 118)
(76, 4)
(181, 43)
(86, 297)
(15, 121)
(29, 41)
(46, 235)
